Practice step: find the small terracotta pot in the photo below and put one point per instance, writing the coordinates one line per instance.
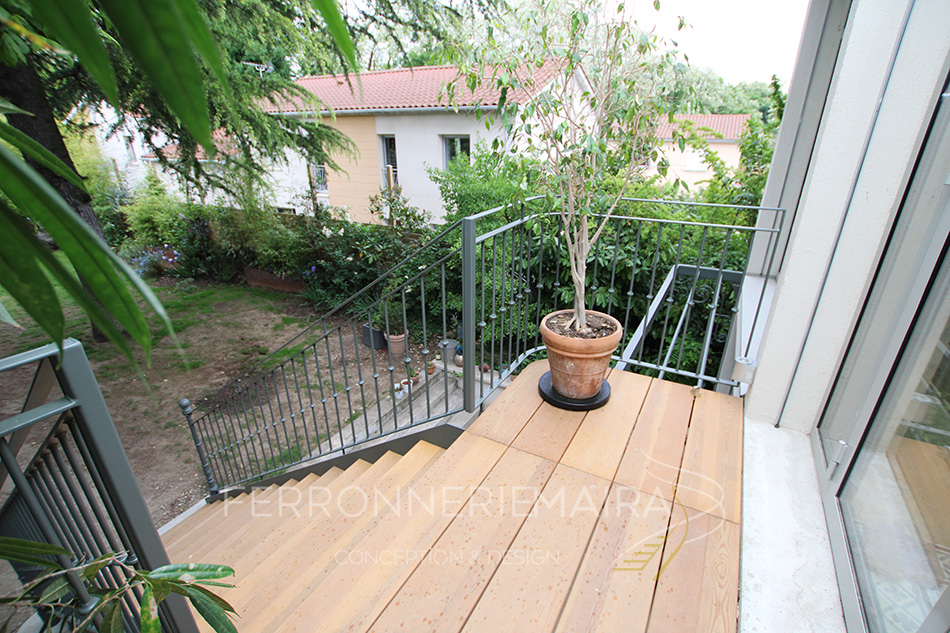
(397, 344)
(578, 365)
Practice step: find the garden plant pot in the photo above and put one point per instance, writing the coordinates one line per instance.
(372, 337)
(397, 344)
(579, 365)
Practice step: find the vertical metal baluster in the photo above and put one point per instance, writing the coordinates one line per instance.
(633, 276)
(247, 435)
(254, 425)
(711, 319)
(269, 423)
(379, 398)
(493, 317)
(104, 497)
(300, 405)
(670, 296)
(503, 299)
(391, 368)
(240, 439)
(593, 279)
(84, 517)
(270, 381)
(196, 437)
(333, 390)
(691, 301)
(443, 345)
(407, 359)
(359, 376)
(424, 372)
(481, 321)
(224, 452)
(72, 523)
(54, 511)
(611, 290)
(290, 409)
(323, 399)
(40, 517)
(312, 405)
(519, 296)
(656, 261)
(346, 382)
(101, 519)
(539, 285)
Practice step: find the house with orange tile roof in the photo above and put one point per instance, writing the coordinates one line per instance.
(400, 121)
(721, 131)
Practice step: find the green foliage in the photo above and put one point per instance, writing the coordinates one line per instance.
(391, 206)
(694, 90)
(107, 191)
(51, 591)
(485, 182)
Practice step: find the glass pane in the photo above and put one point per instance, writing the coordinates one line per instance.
(896, 501)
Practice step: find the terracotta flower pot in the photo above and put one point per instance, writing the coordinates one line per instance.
(397, 344)
(579, 365)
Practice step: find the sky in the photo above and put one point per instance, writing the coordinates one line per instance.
(741, 40)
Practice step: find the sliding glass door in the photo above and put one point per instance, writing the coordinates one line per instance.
(883, 443)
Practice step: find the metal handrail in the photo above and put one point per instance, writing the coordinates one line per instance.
(681, 278)
(78, 490)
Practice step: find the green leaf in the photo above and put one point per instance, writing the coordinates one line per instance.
(337, 28)
(201, 37)
(90, 571)
(188, 572)
(88, 253)
(112, 619)
(155, 34)
(29, 286)
(211, 612)
(29, 243)
(72, 23)
(223, 604)
(23, 551)
(55, 590)
(6, 317)
(39, 153)
(8, 108)
(149, 611)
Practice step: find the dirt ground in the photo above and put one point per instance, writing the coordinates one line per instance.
(222, 331)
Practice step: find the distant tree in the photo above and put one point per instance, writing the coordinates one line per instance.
(692, 90)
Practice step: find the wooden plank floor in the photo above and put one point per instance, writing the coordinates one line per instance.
(621, 519)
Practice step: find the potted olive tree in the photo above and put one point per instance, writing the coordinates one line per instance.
(592, 119)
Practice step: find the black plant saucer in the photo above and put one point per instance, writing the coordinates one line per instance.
(546, 387)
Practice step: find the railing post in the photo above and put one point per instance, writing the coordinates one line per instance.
(468, 313)
(187, 410)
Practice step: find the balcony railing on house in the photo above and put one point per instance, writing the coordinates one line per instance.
(77, 490)
(671, 272)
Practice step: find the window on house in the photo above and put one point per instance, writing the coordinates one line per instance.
(389, 157)
(455, 146)
(318, 178)
(130, 148)
(694, 161)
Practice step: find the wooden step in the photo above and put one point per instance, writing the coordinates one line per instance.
(614, 587)
(442, 590)
(335, 589)
(274, 581)
(202, 517)
(552, 543)
(233, 514)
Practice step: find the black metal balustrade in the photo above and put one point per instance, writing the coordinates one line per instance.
(77, 491)
(674, 282)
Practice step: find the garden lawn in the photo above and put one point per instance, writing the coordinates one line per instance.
(222, 330)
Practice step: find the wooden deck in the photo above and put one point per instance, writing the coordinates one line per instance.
(621, 519)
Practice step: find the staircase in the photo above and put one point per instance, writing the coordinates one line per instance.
(533, 519)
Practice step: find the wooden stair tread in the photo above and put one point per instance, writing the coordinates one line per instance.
(613, 590)
(651, 462)
(506, 416)
(444, 588)
(342, 591)
(711, 476)
(552, 541)
(599, 443)
(296, 569)
(699, 587)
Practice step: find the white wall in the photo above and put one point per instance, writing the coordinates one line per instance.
(862, 161)
(419, 145)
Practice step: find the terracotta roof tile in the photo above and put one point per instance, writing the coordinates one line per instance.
(420, 87)
(729, 126)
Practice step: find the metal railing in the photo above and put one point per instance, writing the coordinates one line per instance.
(483, 283)
(77, 491)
